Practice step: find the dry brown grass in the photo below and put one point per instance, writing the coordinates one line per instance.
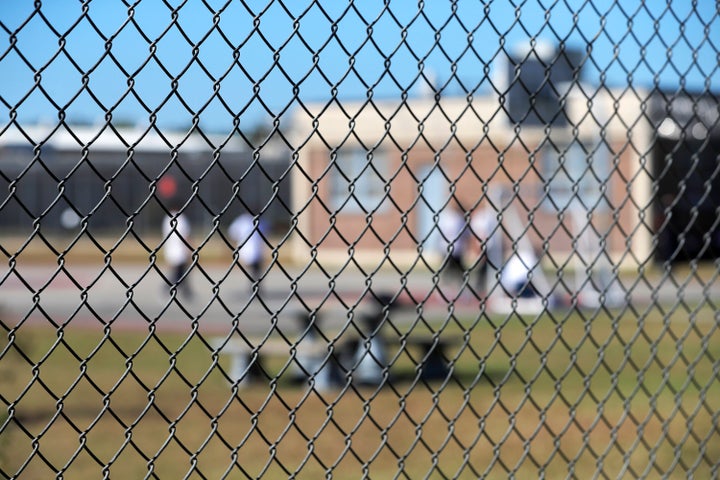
(562, 395)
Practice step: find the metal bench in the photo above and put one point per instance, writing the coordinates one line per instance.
(247, 358)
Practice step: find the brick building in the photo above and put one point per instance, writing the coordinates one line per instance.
(374, 176)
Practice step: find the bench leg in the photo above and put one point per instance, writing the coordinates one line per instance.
(434, 366)
(369, 362)
(242, 370)
(324, 379)
(238, 367)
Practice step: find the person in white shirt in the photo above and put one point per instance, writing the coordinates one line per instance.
(177, 250)
(247, 235)
(453, 241)
(488, 240)
(516, 276)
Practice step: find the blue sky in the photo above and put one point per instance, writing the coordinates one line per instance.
(255, 61)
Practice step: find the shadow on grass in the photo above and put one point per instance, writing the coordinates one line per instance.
(463, 377)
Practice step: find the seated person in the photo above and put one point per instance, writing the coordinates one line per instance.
(516, 274)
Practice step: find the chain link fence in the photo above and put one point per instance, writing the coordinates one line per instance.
(274, 239)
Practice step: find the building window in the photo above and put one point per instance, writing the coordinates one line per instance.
(576, 177)
(357, 180)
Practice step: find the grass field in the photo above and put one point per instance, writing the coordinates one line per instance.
(561, 395)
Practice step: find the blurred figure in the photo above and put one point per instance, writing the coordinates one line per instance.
(247, 235)
(177, 249)
(453, 241)
(516, 276)
(488, 244)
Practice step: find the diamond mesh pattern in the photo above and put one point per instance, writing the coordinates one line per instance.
(364, 239)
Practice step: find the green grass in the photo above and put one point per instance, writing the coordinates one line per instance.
(564, 394)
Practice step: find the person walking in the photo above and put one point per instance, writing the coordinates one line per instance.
(487, 238)
(453, 241)
(248, 236)
(177, 250)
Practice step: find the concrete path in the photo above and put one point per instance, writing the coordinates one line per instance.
(136, 296)
(133, 295)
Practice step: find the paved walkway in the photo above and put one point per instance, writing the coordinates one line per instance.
(134, 296)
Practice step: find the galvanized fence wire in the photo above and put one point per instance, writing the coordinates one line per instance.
(262, 239)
